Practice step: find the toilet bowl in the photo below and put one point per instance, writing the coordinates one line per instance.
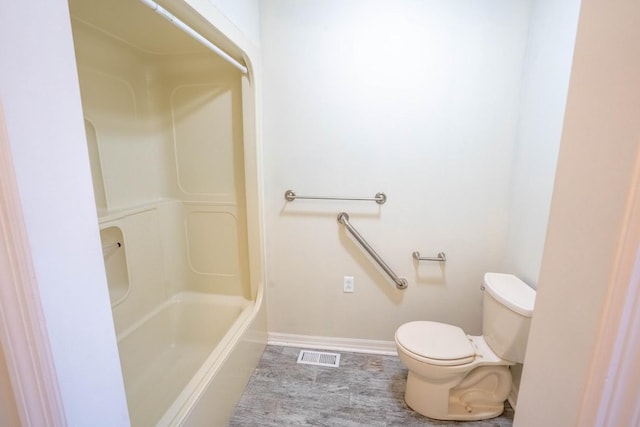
(454, 376)
(439, 357)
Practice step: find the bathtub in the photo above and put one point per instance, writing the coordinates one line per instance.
(171, 354)
(170, 132)
(185, 354)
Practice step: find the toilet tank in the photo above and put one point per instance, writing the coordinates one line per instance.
(506, 315)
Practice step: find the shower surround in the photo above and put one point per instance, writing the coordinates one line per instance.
(168, 127)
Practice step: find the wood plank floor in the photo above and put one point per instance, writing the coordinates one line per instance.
(366, 390)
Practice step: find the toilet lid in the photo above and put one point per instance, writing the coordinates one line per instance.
(442, 344)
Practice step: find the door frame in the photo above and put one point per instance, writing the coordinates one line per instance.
(23, 334)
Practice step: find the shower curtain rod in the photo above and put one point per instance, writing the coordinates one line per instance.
(193, 33)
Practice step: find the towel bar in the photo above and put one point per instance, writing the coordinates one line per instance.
(379, 198)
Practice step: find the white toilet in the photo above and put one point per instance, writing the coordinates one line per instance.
(454, 376)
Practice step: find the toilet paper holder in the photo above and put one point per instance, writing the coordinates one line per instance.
(441, 257)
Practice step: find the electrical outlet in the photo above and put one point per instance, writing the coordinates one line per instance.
(349, 284)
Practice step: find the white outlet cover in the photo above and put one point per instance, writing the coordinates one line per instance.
(349, 284)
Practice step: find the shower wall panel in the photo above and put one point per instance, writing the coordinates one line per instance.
(203, 168)
(145, 263)
(164, 134)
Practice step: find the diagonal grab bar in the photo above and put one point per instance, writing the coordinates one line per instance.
(401, 283)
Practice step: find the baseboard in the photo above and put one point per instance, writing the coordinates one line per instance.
(353, 345)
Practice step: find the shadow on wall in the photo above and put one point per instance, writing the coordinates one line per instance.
(430, 272)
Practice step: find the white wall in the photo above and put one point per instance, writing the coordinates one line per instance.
(245, 14)
(416, 99)
(39, 92)
(599, 156)
(550, 43)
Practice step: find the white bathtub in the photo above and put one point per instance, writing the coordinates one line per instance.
(170, 355)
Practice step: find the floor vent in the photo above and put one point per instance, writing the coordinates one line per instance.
(319, 358)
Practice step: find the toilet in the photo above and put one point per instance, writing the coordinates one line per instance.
(454, 376)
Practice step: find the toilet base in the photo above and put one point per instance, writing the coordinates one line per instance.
(479, 396)
(478, 412)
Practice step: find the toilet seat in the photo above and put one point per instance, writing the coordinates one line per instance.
(436, 343)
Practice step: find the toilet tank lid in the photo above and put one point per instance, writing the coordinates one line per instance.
(511, 291)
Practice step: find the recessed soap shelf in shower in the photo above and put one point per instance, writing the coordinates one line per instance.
(115, 263)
